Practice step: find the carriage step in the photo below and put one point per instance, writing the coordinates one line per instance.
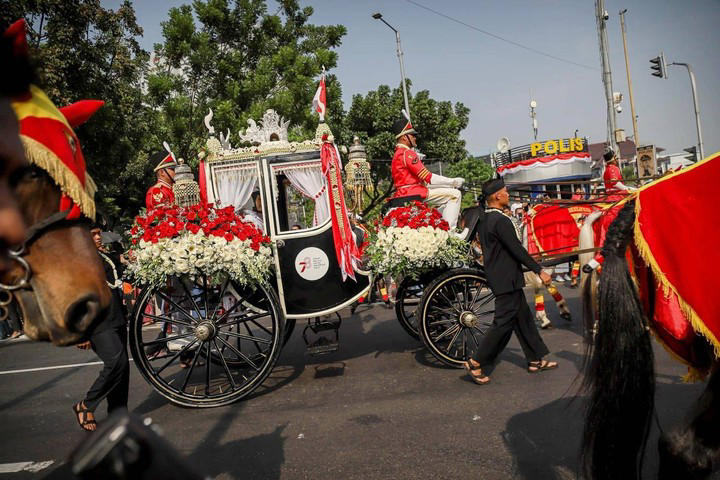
(323, 346)
(326, 333)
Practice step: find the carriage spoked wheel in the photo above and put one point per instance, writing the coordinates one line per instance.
(455, 313)
(407, 299)
(205, 345)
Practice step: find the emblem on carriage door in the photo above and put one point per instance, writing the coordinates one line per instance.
(311, 263)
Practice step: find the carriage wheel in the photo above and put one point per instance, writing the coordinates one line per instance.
(455, 313)
(205, 345)
(407, 299)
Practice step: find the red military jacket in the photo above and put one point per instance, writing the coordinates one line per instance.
(160, 194)
(611, 177)
(408, 173)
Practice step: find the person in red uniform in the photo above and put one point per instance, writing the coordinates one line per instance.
(161, 194)
(615, 190)
(411, 178)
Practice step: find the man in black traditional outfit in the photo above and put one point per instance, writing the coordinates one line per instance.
(503, 258)
(109, 341)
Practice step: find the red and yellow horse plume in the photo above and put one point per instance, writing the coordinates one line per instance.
(677, 234)
(49, 139)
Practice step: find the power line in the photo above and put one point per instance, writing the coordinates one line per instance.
(498, 37)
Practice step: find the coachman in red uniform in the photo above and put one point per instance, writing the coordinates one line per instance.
(411, 178)
(615, 190)
(161, 194)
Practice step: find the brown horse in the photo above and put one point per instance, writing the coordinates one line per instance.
(67, 289)
(52, 267)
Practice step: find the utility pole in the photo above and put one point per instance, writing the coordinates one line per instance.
(602, 17)
(701, 149)
(630, 91)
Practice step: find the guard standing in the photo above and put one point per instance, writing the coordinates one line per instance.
(161, 194)
(411, 178)
(503, 257)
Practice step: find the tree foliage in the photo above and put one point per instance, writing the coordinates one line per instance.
(82, 51)
(239, 60)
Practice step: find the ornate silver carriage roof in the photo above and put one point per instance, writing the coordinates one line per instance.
(269, 136)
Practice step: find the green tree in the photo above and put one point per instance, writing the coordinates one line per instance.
(371, 118)
(83, 51)
(234, 57)
(474, 170)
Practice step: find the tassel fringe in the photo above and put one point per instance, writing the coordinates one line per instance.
(69, 183)
(646, 254)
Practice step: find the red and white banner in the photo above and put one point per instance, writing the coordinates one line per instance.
(348, 253)
(319, 100)
(542, 162)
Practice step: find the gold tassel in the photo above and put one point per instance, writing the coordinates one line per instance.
(69, 183)
(690, 314)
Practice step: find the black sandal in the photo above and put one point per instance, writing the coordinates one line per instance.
(81, 415)
(479, 378)
(540, 365)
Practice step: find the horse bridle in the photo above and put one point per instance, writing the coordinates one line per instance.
(32, 234)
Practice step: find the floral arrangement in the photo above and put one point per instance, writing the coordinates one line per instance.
(412, 240)
(198, 240)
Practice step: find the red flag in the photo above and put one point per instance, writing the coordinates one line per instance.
(319, 100)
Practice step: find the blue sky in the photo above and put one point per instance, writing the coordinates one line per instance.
(496, 79)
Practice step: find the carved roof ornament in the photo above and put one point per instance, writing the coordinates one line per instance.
(272, 128)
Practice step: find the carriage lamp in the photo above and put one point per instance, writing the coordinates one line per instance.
(357, 174)
(186, 189)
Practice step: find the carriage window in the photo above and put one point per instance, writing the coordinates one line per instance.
(302, 196)
(237, 185)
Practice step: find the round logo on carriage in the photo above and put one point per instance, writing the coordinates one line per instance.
(312, 263)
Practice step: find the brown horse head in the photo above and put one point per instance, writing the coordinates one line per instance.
(55, 273)
(68, 292)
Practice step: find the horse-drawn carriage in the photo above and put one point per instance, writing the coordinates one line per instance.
(205, 340)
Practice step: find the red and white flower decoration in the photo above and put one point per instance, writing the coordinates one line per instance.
(198, 240)
(414, 239)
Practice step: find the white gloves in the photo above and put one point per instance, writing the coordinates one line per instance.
(440, 181)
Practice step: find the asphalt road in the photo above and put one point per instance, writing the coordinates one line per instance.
(380, 408)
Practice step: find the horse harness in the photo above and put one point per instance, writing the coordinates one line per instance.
(33, 233)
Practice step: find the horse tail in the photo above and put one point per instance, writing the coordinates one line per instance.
(620, 375)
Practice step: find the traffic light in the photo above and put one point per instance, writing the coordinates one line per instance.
(693, 154)
(659, 67)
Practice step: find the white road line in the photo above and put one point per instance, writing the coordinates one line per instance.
(25, 466)
(54, 367)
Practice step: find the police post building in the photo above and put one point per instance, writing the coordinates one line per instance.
(543, 164)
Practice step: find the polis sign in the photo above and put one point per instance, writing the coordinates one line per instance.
(553, 147)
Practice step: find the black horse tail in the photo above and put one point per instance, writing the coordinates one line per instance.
(620, 375)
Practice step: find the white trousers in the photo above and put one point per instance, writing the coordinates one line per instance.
(447, 200)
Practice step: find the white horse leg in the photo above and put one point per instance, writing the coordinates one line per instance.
(586, 238)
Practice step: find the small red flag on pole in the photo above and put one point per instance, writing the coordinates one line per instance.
(319, 100)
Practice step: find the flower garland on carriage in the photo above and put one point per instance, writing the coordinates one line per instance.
(413, 240)
(198, 240)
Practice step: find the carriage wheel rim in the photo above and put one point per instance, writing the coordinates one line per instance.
(454, 328)
(210, 381)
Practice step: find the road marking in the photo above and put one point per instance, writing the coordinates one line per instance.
(25, 466)
(55, 367)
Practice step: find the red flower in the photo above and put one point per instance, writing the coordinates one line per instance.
(229, 237)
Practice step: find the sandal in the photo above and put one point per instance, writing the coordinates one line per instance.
(475, 373)
(540, 365)
(81, 415)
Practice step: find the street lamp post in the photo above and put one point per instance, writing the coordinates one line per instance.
(378, 16)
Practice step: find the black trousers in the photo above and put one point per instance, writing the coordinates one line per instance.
(113, 382)
(512, 314)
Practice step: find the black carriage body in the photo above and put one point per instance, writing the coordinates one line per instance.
(308, 279)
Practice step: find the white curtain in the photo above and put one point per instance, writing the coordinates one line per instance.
(311, 182)
(235, 187)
